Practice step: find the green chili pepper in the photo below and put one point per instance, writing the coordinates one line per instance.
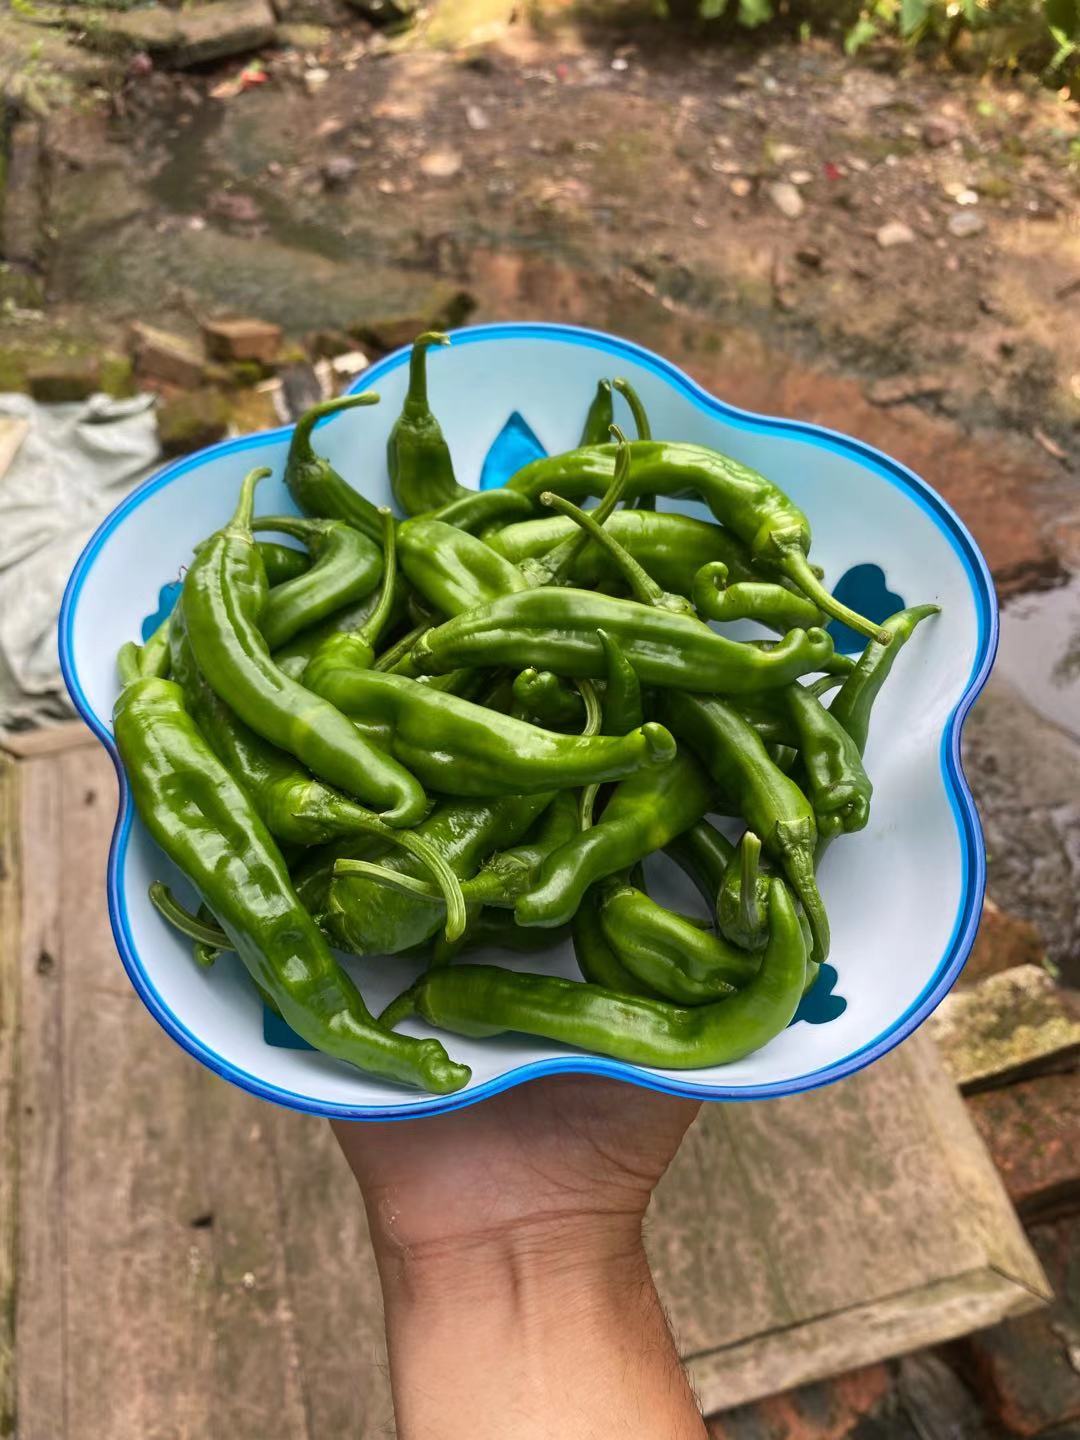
(489, 929)
(366, 916)
(601, 413)
(314, 483)
(292, 805)
(742, 895)
(357, 647)
(622, 709)
(674, 956)
(761, 600)
(484, 1000)
(757, 511)
(223, 595)
(752, 786)
(668, 546)
(503, 876)
(596, 959)
(293, 657)
(830, 765)
(703, 853)
(477, 509)
(282, 562)
(417, 455)
(555, 629)
(208, 827)
(644, 814)
(346, 567)
(461, 748)
(546, 699)
(167, 905)
(637, 410)
(453, 570)
(859, 691)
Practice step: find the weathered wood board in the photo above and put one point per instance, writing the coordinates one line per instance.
(190, 1263)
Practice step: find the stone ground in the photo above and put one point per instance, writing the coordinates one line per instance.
(892, 249)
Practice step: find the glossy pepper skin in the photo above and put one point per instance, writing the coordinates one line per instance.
(417, 455)
(622, 707)
(366, 917)
(293, 657)
(742, 896)
(597, 961)
(758, 512)
(555, 629)
(830, 766)
(482, 1000)
(852, 706)
(678, 959)
(599, 416)
(459, 748)
(671, 548)
(644, 814)
(347, 566)
(223, 597)
(761, 600)
(476, 510)
(751, 785)
(451, 569)
(547, 700)
(282, 562)
(209, 828)
(314, 483)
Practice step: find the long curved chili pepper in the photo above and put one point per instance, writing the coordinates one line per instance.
(622, 708)
(367, 917)
(222, 597)
(294, 656)
(555, 629)
(207, 826)
(852, 706)
(596, 959)
(597, 427)
(314, 483)
(761, 600)
(830, 766)
(282, 562)
(417, 455)
(757, 511)
(484, 1000)
(754, 787)
(453, 570)
(460, 748)
(670, 547)
(637, 410)
(357, 647)
(644, 813)
(293, 806)
(346, 567)
(675, 957)
(478, 509)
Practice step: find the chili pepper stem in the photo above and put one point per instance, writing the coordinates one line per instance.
(372, 627)
(642, 586)
(749, 859)
(245, 505)
(180, 918)
(393, 879)
(794, 564)
(417, 394)
(301, 448)
(204, 955)
(637, 409)
(400, 1008)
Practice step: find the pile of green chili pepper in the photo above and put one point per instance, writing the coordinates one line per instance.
(469, 726)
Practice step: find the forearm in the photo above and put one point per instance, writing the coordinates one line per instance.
(550, 1329)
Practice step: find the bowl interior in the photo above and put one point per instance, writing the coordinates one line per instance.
(903, 896)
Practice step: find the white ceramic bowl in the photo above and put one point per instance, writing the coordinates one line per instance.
(904, 896)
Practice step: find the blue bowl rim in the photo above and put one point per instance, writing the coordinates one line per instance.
(972, 850)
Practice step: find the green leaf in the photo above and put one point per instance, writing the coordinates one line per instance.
(1062, 15)
(861, 33)
(753, 13)
(913, 15)
(711, 9)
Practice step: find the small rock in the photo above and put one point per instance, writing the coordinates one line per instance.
(937, 131)
(810, 256)
(965, 223)
(899, 388)
(787, 199)
(316, 77)
(444, 309)
(325, 344)
(440, 164)
(1010, 1026)
(234, 207)
(965, 196)
(475, 118)
(348, 365)
(894, 232)
(62, 382)
(740, 187)
(800, 177)
(188, 37)
(242, 339)
(780, 154)
(338, 171)
(191, 421)
(171, 359)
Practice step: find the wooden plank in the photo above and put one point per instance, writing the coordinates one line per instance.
(46, 739)
(138, 1293)
(40, 1327)
(828, 1345)
(9, 1100)
(333, 1282)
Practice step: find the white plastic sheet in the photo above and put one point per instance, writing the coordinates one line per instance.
(75, 463)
